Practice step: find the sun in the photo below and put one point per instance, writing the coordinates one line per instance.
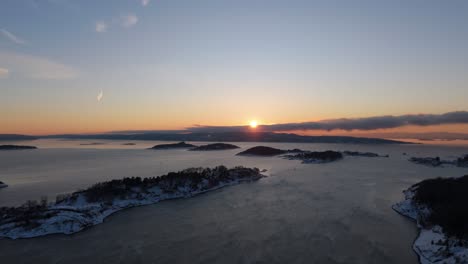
(253, 124)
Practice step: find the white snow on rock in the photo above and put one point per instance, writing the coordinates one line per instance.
(75, 213)
(432, 245)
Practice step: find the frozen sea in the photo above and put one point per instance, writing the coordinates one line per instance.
(302, 213)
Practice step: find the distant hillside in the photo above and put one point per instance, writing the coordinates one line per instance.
(10, 137)
(232, 137)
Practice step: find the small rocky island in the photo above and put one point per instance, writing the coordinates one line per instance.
(439, 208)
(315, 156)
(463, 161)
(92, 144)
(16, 147)
(3, 185)
(180, 145)
(215, 146)
(262, 151)
(305, 156)
(438, 162)
(79, 210)
(430, 161)
(363, 154)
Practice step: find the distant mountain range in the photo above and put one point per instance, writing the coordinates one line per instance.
(11, 137)
(181, 135)
(216, 137)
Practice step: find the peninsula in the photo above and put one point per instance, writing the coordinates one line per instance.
(79, 210)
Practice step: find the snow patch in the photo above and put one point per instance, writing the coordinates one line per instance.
(432, 245)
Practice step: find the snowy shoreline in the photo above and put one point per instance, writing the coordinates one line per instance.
(76, 212)
(432, 245)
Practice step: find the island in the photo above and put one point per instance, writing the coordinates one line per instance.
(215, 146)
(82, 209)
(463, 161)
(315, 156)
(439, 208)
(262, 151)
(129, 144)
(16, 147)
(173, 146)
(92, 144)
(3, 185)
(363, 154)
(438, 162)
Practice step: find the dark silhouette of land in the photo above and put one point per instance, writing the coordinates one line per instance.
(230, 137)
(16, 147)
(438, 162)
(262, 151)
(363, 154)
(447, 199)
(316, 156)
(215, 146)
(14, 137)
(173, 146)
(92, 144)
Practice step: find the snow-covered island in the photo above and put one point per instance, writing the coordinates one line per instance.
(438, 162)
(79, 210)
(315, 156)
(439, 208)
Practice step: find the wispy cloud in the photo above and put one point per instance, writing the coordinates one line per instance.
(145, 2)
(4, 72)
(10, 36)
(100, 95)
(366, 123)
(101, 27)
(129, 20)
(37, 67)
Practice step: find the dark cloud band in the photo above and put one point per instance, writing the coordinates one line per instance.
(367, 123)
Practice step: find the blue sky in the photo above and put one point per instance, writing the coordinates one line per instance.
(168, 64)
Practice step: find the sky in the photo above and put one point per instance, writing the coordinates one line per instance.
(94, 66)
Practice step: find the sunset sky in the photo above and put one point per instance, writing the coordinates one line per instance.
(93, 66)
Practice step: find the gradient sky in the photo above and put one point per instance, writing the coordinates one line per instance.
(170, 64)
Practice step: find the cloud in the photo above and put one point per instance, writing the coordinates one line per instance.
(10, 36)
(129, 20)
(99, 96)
(36, 67)
(145, 2)
(4, 73)
(366, 123)
(101, 27)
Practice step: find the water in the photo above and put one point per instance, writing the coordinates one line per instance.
(302, 213)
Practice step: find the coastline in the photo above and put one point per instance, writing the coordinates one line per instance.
(432, 245)
(76, 213)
